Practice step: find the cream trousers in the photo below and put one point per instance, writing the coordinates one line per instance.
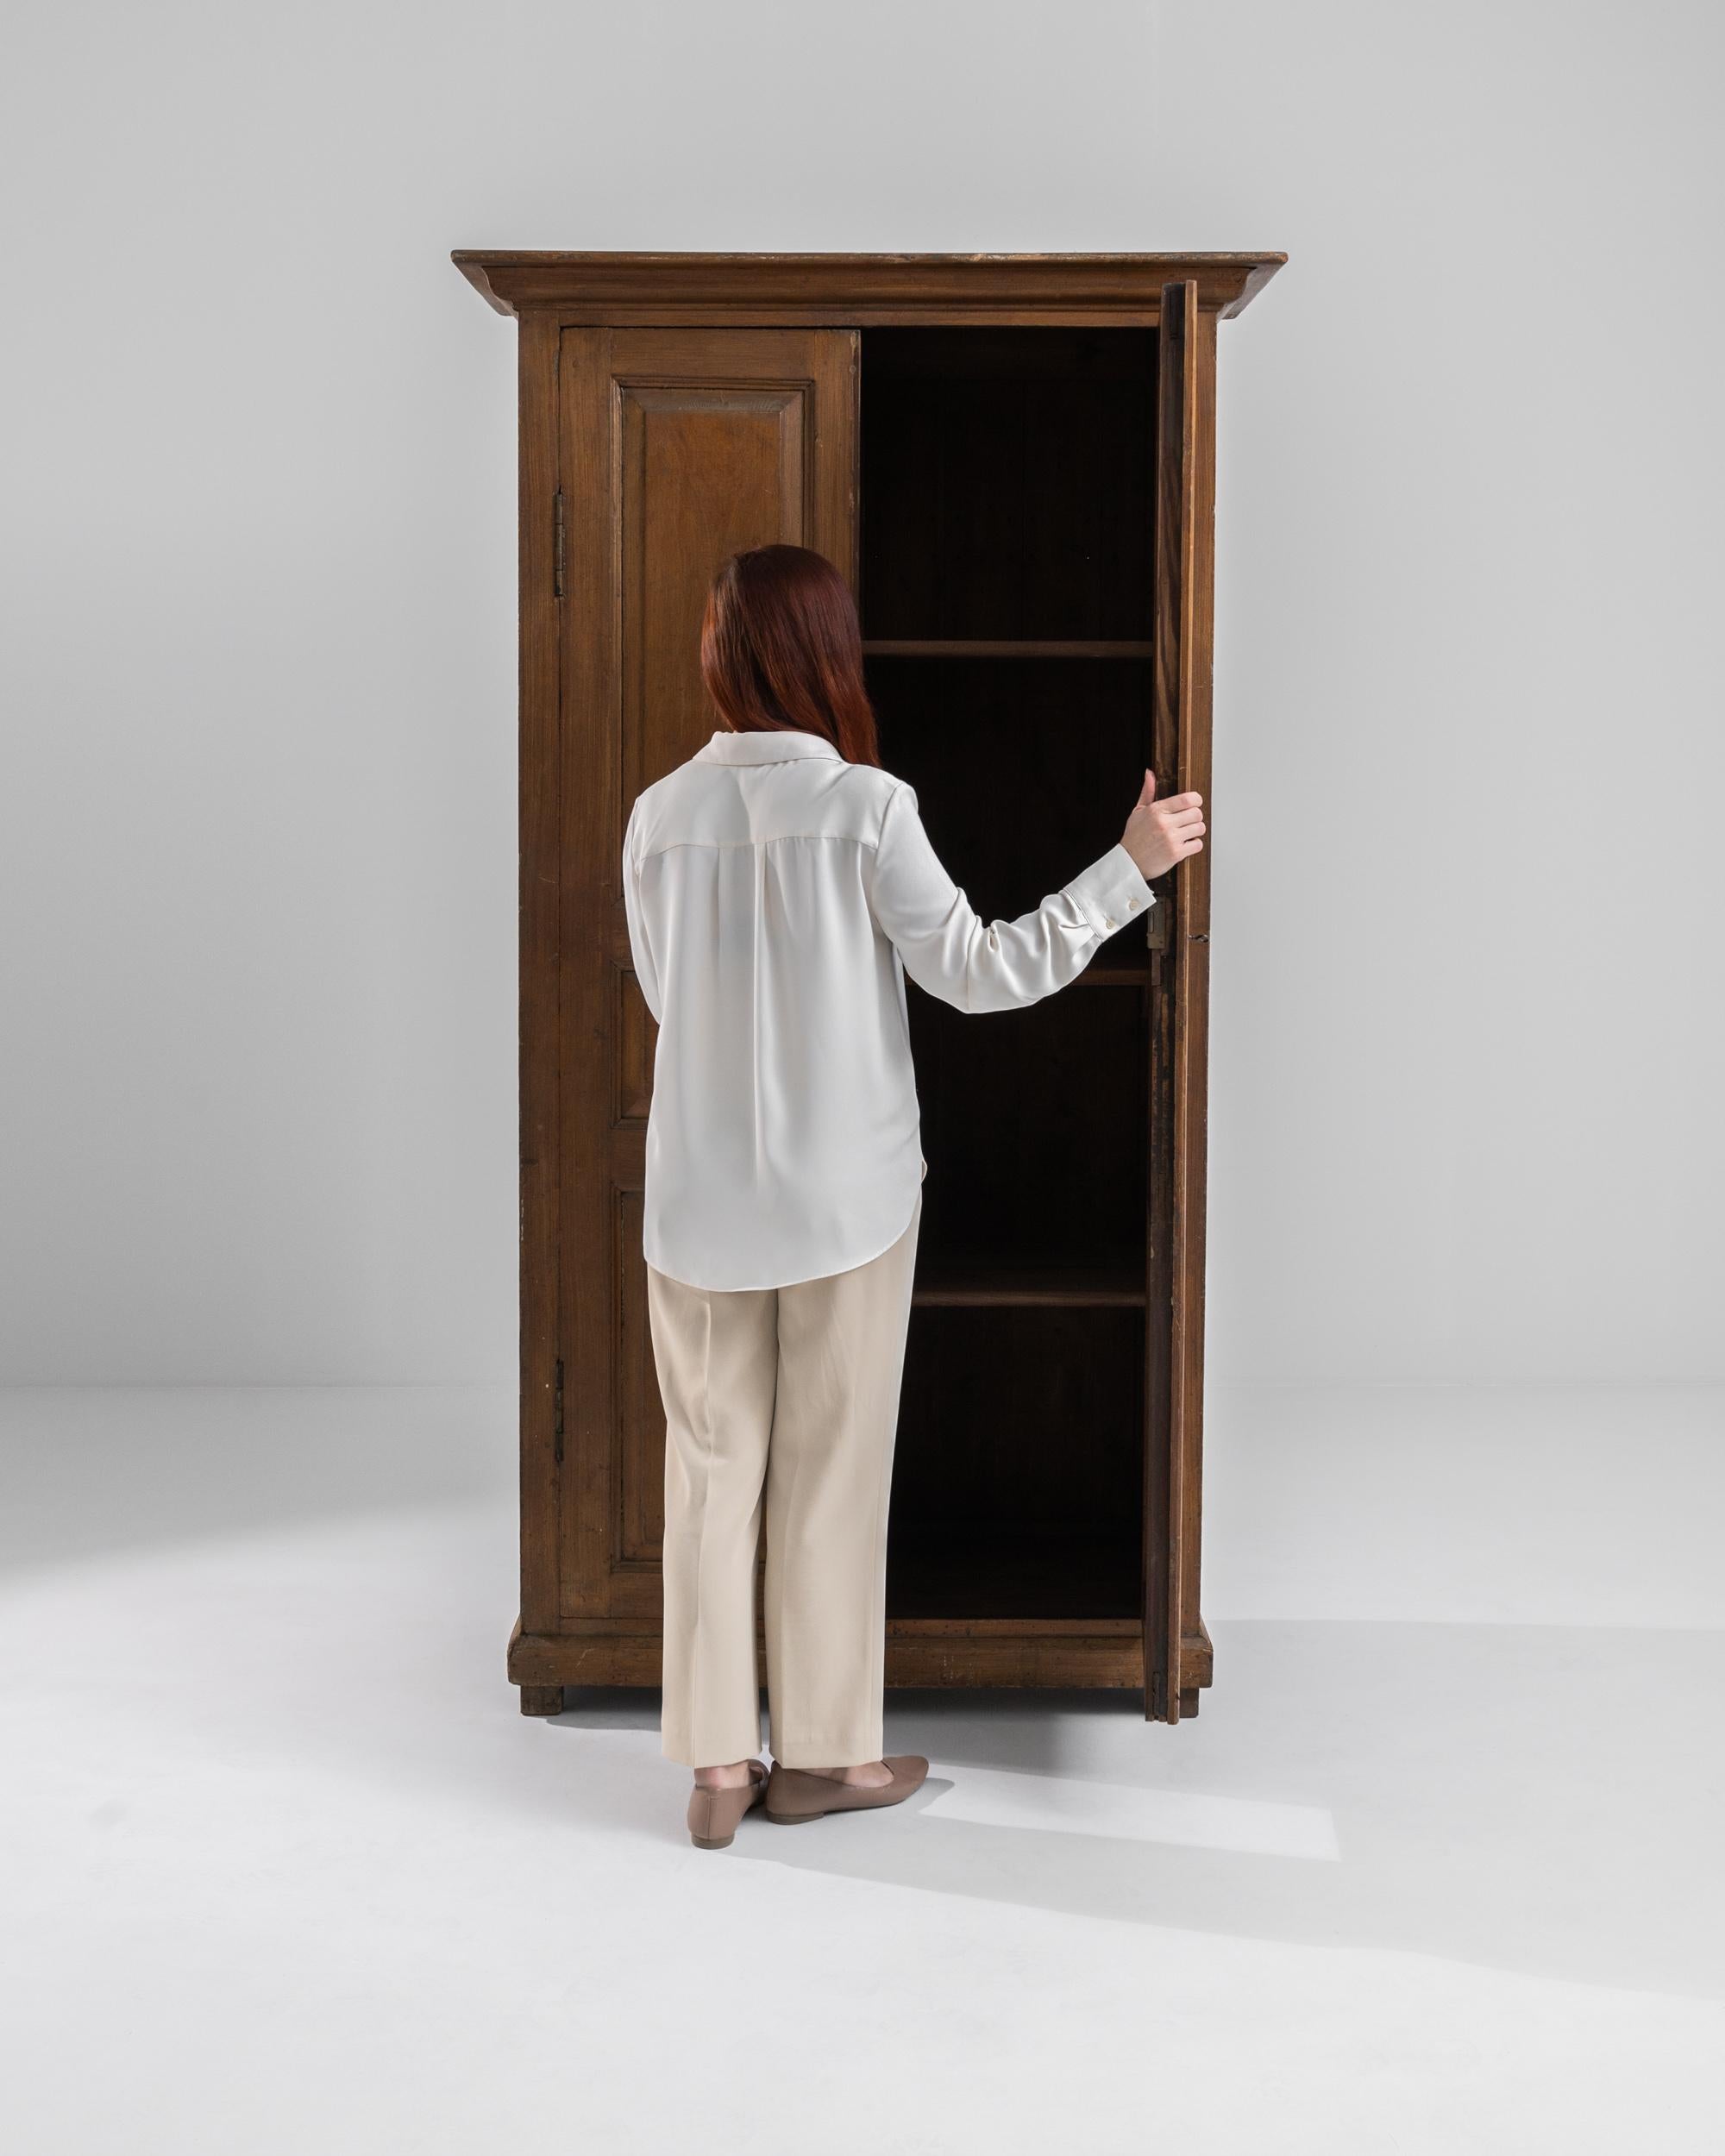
(782, 1404)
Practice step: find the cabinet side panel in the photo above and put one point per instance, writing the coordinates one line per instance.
(540, 862)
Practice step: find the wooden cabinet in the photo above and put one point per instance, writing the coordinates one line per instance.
(1013, 458)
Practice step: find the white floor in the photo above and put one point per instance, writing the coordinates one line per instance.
(286, 1871)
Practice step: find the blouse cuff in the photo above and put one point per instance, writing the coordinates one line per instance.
(1110, 891)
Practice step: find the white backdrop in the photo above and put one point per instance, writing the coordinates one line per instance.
(256, 827)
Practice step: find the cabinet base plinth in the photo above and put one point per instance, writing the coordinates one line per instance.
(984, 1653)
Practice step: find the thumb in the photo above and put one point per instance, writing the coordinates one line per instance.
(1149, 793)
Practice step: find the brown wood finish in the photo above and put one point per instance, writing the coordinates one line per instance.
(931, 1652)
(1166, 1554)
(1037, 477)
(1192, 1032)
(541, 884)
(636, 1035)
(676, 448)
(855, 290)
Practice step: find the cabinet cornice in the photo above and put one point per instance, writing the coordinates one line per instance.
(850, 288)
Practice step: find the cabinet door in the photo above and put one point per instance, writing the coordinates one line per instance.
(676, 447)
(1176, 1648)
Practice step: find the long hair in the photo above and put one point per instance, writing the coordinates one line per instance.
(782, 649)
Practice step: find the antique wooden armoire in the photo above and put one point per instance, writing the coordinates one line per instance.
(1013, 457)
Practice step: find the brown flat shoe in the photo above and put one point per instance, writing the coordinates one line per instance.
(793, 1796)
(713, 1813)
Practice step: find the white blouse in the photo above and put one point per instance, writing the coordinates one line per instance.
(776, 896)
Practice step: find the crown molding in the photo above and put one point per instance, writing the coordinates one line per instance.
(852, 288)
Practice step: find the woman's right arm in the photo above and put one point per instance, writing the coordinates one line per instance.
(949, 950)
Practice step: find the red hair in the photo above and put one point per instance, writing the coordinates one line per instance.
(782, 650)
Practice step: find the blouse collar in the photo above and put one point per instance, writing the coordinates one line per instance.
(764, 746)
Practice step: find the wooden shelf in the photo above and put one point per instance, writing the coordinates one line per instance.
(989, 1288)
(1112, 977)
(994, 648)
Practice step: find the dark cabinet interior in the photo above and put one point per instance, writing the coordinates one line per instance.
(1007, 482)
(1020, 1464)
(1006, 503)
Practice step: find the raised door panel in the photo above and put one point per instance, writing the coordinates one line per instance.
(676, 448)
(705, 472)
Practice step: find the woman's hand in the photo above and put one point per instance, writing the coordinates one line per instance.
(1160, 833)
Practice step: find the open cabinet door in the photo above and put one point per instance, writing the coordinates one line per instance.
(1175, 1645)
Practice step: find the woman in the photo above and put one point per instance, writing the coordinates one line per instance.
(778, 886)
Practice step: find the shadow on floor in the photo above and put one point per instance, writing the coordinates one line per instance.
(1480, 1794)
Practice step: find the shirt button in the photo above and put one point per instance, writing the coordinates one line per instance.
(1108, 919)
(1133, 903)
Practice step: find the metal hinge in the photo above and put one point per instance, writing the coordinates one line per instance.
(557, 1415)
(558, 545)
